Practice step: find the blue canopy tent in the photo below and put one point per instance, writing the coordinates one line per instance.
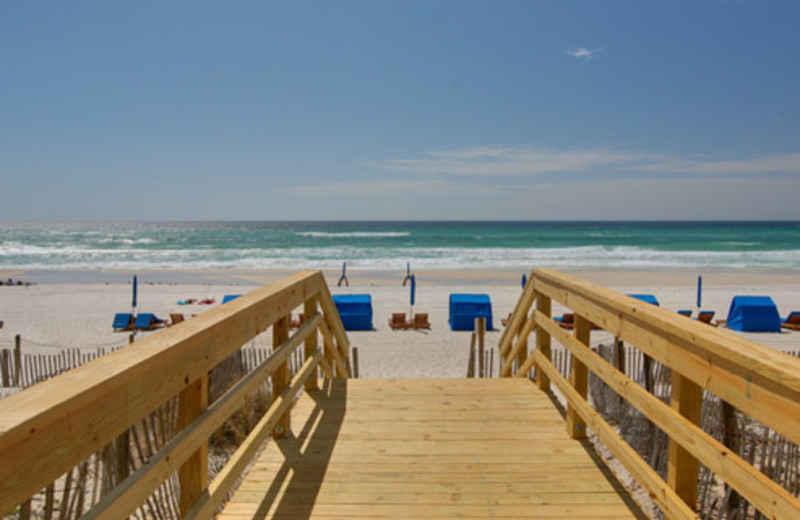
(649, 298)
(753, 314)
(464, 308)
(355, 310)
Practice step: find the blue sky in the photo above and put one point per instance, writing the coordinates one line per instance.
(399, 110)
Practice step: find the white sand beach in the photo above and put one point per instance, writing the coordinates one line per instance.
(51, 316)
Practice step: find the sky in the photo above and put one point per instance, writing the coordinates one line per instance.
(400, 110)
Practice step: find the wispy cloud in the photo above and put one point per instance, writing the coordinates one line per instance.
(583, 53)
(509, 161)
(500, 161)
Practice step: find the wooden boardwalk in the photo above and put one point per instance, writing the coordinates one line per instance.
(428, 448)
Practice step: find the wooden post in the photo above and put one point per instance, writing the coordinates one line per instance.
(480, 328)
(193, 475)
(579, 378)
(281, 376)
(544, 306)
(310, 308)
(471, 362)
(682, 468)
(17, 360)
(730, 438)
(355, 363)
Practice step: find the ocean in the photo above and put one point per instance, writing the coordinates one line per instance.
(696, 246)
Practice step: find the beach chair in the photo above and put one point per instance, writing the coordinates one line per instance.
(148, 321)
(229, 297)
(685, 312)
(792, 321)
(566, 321)
(504, 321)
(175, 317)
(421, 321)
(398, 321)
(122, 321)
(296, 324)
(706, 317)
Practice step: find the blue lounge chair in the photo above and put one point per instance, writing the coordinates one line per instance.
(123, 321)
(147, 321)
(649, 298)
(685, 312)
(229, 297)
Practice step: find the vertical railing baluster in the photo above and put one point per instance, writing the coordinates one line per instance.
(579, 378)
(281, 377)
(543, 305)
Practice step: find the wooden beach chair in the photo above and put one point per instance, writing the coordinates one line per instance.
(398, 321)
(175, 317)
(296, 324)
(707, 317)
(421, 321)
(792, 321)
(504, 321)
(567, 321)
(687, 313)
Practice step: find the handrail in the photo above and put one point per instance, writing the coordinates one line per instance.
(760, 382)
(48, 429)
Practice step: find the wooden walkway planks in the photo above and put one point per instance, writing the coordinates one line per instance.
(444, 448)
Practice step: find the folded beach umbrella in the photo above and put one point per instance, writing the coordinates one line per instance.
(413, 292)
(699, 291)
(135, 290)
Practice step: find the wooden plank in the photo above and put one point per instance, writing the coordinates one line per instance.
(517, 318)
(682, 466)
(49, 428)
(544, 306)
(193, 473)
(310, 309)
(330, 348)
(579, 378)
(280, 378)
(520, 345)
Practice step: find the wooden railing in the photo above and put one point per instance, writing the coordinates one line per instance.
(48, 429)
(758, 381)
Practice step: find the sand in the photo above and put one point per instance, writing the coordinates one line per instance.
(76, 311)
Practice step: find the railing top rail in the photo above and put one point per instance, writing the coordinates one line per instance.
(748, 356)
(77, 413)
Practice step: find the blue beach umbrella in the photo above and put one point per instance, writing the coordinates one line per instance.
(699, 291)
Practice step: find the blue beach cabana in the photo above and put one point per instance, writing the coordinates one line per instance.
(464, 308)
(355, 310)
(753, 314)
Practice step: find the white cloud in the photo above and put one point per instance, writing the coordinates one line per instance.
(582, 53)
(526, 161)
(509, 161)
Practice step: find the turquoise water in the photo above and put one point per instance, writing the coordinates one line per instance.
(389, 245)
